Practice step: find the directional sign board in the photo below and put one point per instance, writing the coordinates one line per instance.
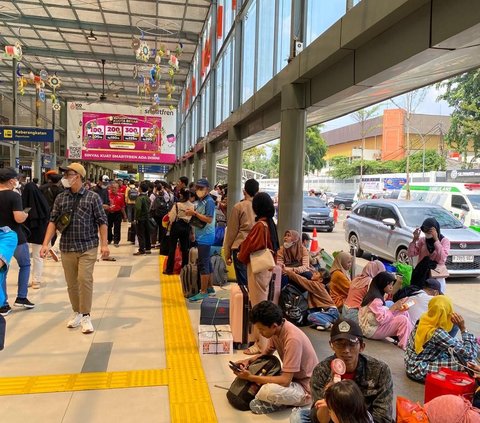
(153, 169)
(26, 133)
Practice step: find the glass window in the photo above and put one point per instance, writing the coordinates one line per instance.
(458, 201)
(207, 107)
(284, 30)
(227, 82)
(372, 212)
(248, 53)
(219, 92)
(387, 213)
(414, 217)
(266, 30)
(321, 15)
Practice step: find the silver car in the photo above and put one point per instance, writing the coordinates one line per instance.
(385, 228)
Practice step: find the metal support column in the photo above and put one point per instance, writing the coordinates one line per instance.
(15, 150)
(37, 163)
(197, 163)
(189, 170)
(211, 159)
(292, 153)
(235, 161)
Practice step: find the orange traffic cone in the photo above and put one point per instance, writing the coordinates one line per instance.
(314, 246)
(335, 214)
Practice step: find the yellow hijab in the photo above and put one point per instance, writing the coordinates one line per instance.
(438, 315)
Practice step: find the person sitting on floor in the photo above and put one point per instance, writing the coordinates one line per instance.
(315, 257)
(359, 287)
(292, 387)
(293, 256)
(340, 278)
(421, 298)
(379, 321)
(345, 403)
(372, 376)
(430, 341)
(321, 308)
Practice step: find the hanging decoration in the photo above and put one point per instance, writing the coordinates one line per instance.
(14, 52)
(143, 52)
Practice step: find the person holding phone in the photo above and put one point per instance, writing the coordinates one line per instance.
(433, 245)
(13, 216)
(430, 341)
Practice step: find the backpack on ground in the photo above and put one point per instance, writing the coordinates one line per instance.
(220, 273)
(132, 194)
(242, 391)
(294, 305)
(190, 280)
(160, 206)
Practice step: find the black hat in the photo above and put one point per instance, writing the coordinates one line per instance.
(434, 284)
(7, 173)
(306, 237)
(345, 329)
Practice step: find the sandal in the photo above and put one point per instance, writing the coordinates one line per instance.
(109, 259)
(252, 350)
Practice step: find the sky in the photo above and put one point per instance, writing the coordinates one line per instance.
(429, 106)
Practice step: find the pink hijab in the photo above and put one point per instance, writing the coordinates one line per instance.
(451, 409)
(372, 269)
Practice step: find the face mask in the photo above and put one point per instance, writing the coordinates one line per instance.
(200, 193)
(288, 244)
(428, 236)
(17, 185)
(66, 183)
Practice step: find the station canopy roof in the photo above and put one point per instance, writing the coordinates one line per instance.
(71, 38)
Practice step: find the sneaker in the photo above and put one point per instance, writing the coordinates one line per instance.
(116, 245)
(5, 310)
(262, 407)
(23, 302)
(200, 296)
(139, 253)
(87, 326)
(323, 327)
(75, 321)
(54, 255)
(211, 291)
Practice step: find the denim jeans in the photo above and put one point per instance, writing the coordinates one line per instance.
(22, 255)
(324, 318)
(300, 415)
(240, 269)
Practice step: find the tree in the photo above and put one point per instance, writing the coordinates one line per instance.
(462, 92)
(256, 159)
(433, 162)
(315, 149)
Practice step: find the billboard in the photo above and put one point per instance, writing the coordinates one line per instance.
(120, 133)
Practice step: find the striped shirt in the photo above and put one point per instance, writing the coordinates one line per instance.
(82, 233)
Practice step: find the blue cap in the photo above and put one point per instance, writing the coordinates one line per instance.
(203, 183)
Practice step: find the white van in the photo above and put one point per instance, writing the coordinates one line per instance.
(462, 199)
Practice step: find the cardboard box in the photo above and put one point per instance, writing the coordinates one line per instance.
(215, 339)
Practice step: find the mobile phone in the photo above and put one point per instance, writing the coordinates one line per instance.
(406, 305)
(27, 209)
(234, 366)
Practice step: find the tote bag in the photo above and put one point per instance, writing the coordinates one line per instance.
(262, 259)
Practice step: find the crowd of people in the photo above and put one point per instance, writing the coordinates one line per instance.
(79, 217)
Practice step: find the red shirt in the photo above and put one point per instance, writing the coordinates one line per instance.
(122, 189)
(117, 201)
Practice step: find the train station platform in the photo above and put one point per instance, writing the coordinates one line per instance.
(141, 363)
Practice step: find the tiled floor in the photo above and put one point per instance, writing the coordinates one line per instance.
(129, 321)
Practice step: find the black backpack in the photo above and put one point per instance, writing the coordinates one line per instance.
(294, 305)
(242, 391)
(133, 194)
(160, 206)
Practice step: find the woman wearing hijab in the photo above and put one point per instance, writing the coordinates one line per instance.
(358, 289)
(430, 341)
(340, 278)
(433, 245)
(263, 235)
(37, 222)
(451, 408)
(293, 256)
(376, 319)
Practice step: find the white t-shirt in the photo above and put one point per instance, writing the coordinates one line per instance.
(421, 306)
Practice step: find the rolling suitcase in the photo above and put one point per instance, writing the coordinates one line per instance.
(190, 280)
(131, 233)
(239, 309)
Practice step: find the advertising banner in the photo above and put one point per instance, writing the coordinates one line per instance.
(122, 134)
(394, 183)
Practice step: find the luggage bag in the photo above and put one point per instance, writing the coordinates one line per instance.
(215, 311)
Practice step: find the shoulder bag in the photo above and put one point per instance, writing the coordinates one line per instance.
(197, 223)
(440, 272)
(262, 259)
(63, 221)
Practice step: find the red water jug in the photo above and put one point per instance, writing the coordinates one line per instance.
(448, 381)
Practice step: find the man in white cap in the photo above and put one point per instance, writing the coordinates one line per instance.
(79, 215)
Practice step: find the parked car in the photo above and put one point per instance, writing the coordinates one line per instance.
(385, 229)
(344, 200)
(316, 214)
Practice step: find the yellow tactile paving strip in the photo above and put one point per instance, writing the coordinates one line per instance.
(189, 396)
